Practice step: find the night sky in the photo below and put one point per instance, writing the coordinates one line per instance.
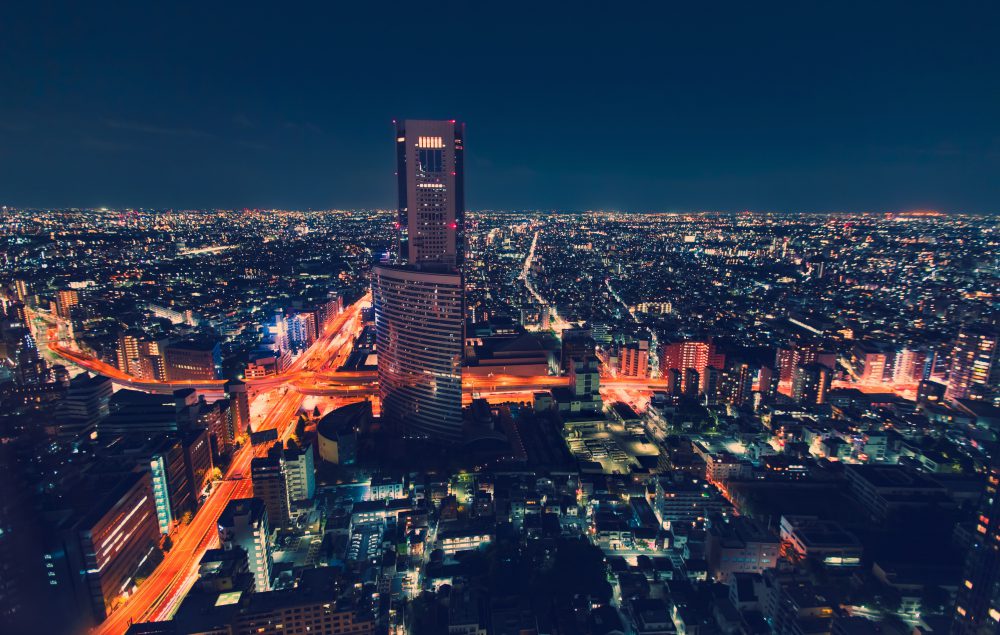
(797, 106)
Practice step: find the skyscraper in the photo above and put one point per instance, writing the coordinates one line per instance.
(419, 302)
(977, 610)
(430, 171)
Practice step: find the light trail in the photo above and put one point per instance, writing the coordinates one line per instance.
(159, 596)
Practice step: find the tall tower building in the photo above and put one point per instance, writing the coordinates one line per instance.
(977, 609)
(430, 171)
(419, 301)
(974, 365)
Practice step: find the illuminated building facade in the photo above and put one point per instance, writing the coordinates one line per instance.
(973, 363)
(244, 523)
(418, 331)
(977, 610)
(102, 547)
(430, 170)
(419, 303)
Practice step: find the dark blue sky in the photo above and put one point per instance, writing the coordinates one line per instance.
(658, 105)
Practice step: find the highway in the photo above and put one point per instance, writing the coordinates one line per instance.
(158, 597)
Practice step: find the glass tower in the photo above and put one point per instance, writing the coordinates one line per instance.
(419, 301)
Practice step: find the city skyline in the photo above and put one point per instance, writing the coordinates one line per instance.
(340, 376)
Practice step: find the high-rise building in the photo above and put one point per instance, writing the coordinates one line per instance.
(128, 352)
(98, 549)
(977, 610)
(419, 337)
(172, 492)
(66, 299)
(419, 302)
(300, 473)
(270, 486)
(239, 409)
(22, 289)
(577, 341)
(634, 360)
(85, 405)
(244, 523)
(811, 383)
(690, 355)
(430, 171)
(193, 360)
(974, 363)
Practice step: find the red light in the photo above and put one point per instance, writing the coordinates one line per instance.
(453, 225)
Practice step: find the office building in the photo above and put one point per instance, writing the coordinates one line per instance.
(172, 492)
(740, 545)
(577, 342)
(419, 322)
(197, 459)
(84, 406)
(270, 486)
(886, 490)
(134, 412)
(824, 541)
(100, 547)
(244, 523)
(192, 360)
(977, 609)
(419, 302)
(811, 383)
(684, 499)
(974, 365)
(430, 170)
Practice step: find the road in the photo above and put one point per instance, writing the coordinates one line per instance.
(556, 323)
(328, 351)
(158, 597)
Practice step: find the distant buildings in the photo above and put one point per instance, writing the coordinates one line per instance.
(192, 360)
(740, 545)
(974, 364)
